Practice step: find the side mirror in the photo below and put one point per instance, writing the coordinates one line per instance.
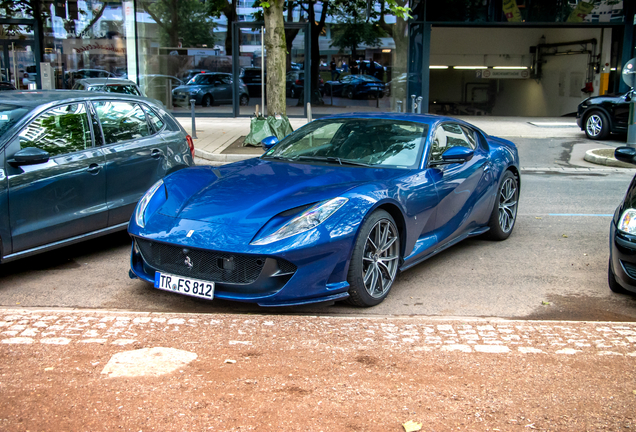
(458, 154)
(625, 154)
(269, 142)
(30, 156)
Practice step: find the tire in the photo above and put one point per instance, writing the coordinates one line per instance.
(207, 100)
(369, 261)
(612, 282)
(504, 212)
(244, 100)
(596, 125)
(328, 90)
(292, 93)
(350, 94)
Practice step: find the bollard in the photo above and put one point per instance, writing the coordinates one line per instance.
(331, 93)
(398, 106)
(419, 104)
(194, 125)
(309, 112)
(413, 104)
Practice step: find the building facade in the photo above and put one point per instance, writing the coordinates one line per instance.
(460, 57)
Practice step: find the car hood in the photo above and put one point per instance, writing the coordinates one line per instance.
(186, 89)
(251, 192)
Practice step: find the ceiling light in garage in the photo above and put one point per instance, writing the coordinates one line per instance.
(510, 67)
(470, 67)
(438, 67)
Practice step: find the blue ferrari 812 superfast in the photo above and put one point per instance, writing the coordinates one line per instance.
(334, 211)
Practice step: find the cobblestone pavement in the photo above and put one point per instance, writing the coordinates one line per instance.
(84, 327)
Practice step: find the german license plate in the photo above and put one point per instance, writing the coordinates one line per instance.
(183, 285)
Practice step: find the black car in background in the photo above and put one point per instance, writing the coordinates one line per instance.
(621, 272)
(74, 164)
(355, 86)
(598, 116)
(6, 86)
(252, 77)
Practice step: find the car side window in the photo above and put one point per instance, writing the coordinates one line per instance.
(122, 121)
(226, 79)
(60, 130)
(154, 119)
(449, 135)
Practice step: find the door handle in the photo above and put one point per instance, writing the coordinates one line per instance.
(94, 168)
(156, 154)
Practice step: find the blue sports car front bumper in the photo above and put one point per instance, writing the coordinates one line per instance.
(307, 268)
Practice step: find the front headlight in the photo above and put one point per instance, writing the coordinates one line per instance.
(309, 219)
(627, 222)
(140, 212)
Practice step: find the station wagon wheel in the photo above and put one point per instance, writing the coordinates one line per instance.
(504, 212)
(244, 100)
(375, 260)
(350, 94)
(207, 101)
(596, 126)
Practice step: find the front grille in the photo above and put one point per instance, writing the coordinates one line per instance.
(207, 265)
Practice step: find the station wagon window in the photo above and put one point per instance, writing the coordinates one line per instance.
(449, 135)
(60, 130)
(154, 119)
(122, 121)
(125, 89)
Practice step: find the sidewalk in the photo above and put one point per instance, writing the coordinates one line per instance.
(216, 135)
(91, 371)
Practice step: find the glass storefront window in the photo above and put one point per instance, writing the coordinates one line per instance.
(171, 53)
(520, 11)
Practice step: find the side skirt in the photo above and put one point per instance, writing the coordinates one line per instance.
(63, 243)
(417, 260)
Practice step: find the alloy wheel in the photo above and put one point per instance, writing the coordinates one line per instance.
(594, 125)
(380, 258)
(508, 204)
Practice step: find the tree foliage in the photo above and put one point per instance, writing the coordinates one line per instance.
(354, 27)
(186, 21)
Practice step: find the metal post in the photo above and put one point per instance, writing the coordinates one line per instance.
(331, 93)
(413, 104)
(419, 104)
(631, 125)
(398, 106)
(263, 69)
(309, 112)
(194, 125)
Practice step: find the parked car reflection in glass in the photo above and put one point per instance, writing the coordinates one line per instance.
(208, 89)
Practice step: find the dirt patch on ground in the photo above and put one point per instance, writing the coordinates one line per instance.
(328, 374)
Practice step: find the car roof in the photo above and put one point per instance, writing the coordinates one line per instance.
(34, 98)
(100, 81)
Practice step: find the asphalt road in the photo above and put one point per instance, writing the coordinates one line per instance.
(554, 266)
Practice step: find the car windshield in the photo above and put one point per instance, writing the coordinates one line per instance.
(10, 115)
(197, 80)
(362, 141)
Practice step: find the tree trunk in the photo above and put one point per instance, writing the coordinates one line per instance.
(276, 57)
(230, 13)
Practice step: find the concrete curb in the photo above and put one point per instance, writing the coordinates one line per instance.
(222, 158)
(604, 160)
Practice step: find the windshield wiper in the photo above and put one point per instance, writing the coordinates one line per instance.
(331, 159)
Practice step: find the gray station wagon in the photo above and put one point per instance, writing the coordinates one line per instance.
(73, 165)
